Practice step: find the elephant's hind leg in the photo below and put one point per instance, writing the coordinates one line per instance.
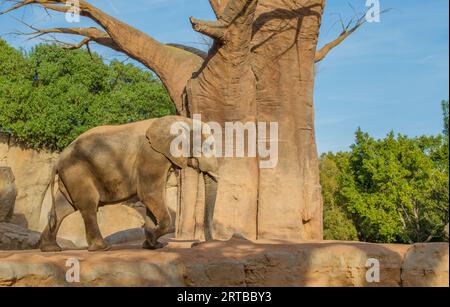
(158, 222)
(86, 199)
(48, 238)
(88, 210)
(93, 234)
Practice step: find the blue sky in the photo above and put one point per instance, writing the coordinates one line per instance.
(390, 75)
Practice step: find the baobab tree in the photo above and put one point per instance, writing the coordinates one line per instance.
(260, 68)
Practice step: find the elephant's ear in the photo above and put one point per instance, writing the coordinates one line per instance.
(164, 132)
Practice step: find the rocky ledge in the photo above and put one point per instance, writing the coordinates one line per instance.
(237, 262)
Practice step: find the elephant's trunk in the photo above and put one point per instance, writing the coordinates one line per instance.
(210, 202)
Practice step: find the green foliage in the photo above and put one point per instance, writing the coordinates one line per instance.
(52, 95)
(337, 223)
(392, 190)
(338, 226)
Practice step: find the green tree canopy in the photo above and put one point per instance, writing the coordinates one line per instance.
(51, 95)
(394, 189)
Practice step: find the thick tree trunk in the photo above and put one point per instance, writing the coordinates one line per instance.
(284, 46)
(264, 73)
(225, 91)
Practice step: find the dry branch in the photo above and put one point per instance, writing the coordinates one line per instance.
(347, 30)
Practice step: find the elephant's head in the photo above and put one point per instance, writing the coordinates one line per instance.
(188, 143)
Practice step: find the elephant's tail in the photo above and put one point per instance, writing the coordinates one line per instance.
(52, 214)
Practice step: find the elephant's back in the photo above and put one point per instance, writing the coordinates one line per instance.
(131, 129)
(106, 146)
(107, 156)
(95, 138)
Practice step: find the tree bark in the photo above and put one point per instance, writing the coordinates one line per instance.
(284, 45)
(264, 72)
(224, 90)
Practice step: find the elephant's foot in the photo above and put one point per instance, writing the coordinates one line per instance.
(154, 246)
(100, 246)
(50, 248)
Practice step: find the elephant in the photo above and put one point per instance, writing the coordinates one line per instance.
(111, 164)
(8, 193)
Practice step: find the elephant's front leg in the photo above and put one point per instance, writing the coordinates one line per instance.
(158, 222)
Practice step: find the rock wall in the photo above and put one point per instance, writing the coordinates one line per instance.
(8, 193)
(236, 263)
(32, 170)
(14, 237)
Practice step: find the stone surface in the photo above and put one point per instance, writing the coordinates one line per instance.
(32, 170)
(14, 237)
(8, 193)
(234, 263)
(422, 264)
(111, 219)
(135, 235)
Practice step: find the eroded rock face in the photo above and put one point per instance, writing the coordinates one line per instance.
(13, 237)
(32, 170)
(135, 235)
(426, 265)
(8, 193)
(234, 263)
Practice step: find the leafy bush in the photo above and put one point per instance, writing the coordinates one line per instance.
(51, 95)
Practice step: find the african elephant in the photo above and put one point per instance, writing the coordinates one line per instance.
(111, 164)
(8, 193)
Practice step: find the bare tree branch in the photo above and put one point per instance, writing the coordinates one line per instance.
(69, 46)
(347, 29)
(90, 34)
(84, 42)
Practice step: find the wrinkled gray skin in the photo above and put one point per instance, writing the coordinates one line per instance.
(8, 193)
(111, 164)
